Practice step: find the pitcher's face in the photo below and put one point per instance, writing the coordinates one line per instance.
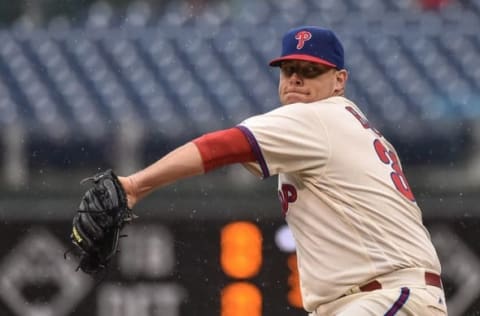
(303, 81)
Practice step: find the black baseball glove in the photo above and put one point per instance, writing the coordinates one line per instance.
(102, 213)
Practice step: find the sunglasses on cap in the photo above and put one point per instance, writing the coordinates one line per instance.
(308, 71)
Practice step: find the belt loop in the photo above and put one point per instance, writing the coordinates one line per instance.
(352, 290)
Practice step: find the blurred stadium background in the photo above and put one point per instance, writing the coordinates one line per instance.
(87, 85)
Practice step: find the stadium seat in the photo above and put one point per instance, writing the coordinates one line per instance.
(100, 15)
(183, 71)
(251, 13)
(138, 14)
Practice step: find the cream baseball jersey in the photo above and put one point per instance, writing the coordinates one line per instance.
(343, 194)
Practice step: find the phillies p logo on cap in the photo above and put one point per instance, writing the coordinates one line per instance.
(301, 37)
(314, 44)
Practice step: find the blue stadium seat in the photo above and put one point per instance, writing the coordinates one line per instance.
(100, 15)
(464, 53)
(407, 6)
(246, 69)
(11, 108)
(265, 45)
(217, 14)
(138, 14)
(105, 83)
(82, 112)
(46, 111)
(189, 94)
(208, 71)
(177, 14)
(293, 12)
(330, 12)
(159, 110)
(251, 13)
(184, 71)
(473, 6)
(370, 7)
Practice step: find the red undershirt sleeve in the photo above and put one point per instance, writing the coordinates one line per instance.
(224, 147)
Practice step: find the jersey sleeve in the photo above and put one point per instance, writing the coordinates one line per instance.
(289, 139)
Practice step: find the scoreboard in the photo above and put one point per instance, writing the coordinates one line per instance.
(188, 266)
(196, 267)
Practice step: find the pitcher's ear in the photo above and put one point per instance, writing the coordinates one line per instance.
(341, 80)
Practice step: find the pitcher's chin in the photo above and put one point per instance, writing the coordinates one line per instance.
(294, 97)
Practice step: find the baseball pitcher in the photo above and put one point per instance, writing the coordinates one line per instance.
(361, 245)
